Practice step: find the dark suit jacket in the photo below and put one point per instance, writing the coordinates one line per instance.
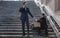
(43, 22)
(24, 13)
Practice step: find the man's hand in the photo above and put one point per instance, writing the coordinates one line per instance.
(33, 17)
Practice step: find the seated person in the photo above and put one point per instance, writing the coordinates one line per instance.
(43, 24)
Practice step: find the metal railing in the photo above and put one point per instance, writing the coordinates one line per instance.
(50, 17)
(53, 25)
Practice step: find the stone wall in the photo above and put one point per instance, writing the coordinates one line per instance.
(51, 4)
(58, 4)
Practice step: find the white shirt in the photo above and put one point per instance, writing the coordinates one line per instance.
(24, 7)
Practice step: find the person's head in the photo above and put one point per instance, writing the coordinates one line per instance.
(25, 4)
(43, 15)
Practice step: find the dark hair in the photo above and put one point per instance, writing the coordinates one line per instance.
(24, 3)
(43, 14)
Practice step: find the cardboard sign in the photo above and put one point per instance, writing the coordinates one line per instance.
(37, 24)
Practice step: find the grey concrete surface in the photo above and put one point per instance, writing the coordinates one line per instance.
(9, 14)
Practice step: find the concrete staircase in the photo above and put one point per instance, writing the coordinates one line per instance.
(13, 30)
(10, 25)
(51, 33)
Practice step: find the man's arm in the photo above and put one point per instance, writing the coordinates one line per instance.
(30, 13)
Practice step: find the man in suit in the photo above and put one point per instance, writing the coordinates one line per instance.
(24, 17)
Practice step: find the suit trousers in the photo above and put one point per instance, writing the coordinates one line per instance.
(43, 28)
(25, 22)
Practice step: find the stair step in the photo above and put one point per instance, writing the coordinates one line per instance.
(10, 24)
(15, 32)
(15, 35)
(52, 36)
(51, 33)
(49, 27)
(50, 30)
(14, 29)
(14, 25)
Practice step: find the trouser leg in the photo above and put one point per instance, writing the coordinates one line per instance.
(39, 30)
(27, 24)
(46, 31)
(23, 27)
(28, 29)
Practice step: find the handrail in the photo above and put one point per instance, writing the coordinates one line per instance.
(54, 27)
(46, 12)
(57, 21)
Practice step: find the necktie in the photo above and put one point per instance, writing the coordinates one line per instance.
(25, 8)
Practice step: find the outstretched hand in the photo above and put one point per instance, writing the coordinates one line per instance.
(33, 17)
